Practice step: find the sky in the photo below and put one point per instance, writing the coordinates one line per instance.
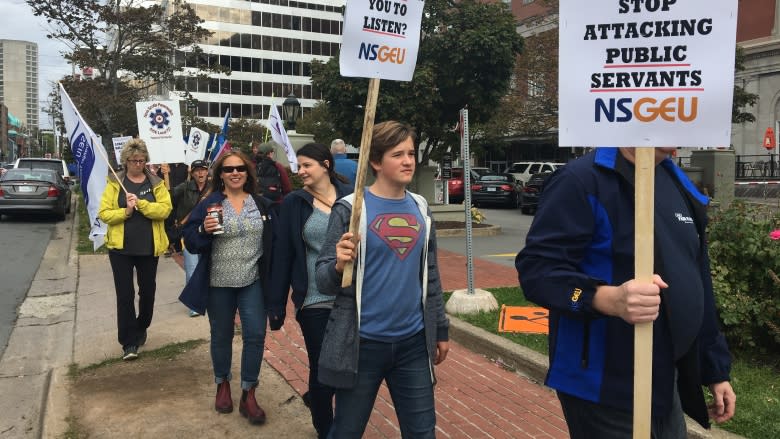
(19, 23)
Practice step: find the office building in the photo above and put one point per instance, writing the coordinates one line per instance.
(268, 45)
(19, 80)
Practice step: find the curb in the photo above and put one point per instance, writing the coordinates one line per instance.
(56, 403)
(533, 365)
(478, 231)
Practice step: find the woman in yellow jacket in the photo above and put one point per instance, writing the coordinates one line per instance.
(135, 239)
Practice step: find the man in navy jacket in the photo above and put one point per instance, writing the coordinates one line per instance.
(579, 262)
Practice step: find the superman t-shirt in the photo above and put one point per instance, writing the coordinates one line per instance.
(391, 307)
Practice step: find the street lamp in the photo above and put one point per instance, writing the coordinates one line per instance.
(291, 109)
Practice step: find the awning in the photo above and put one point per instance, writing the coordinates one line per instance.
(14, 121)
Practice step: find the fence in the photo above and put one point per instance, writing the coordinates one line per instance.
(753, 167)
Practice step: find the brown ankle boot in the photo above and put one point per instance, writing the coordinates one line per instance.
(249, 408)
(223, 402)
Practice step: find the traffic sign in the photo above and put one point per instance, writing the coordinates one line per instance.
(769, 139)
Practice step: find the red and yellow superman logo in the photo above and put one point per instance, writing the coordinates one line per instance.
(399, 231)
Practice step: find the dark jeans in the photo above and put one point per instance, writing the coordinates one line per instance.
(313, 322)
(405, 367)
(221, 309)
(587, 420)
(129, 325)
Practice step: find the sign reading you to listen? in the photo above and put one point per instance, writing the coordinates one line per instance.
(646, 72)
(381, 39)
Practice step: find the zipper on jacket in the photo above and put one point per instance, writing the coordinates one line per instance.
(586, 346)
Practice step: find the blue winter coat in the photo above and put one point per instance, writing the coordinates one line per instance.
(583, 237)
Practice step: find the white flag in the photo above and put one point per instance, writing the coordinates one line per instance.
(280, 136)
(196, 145)
(92, 165)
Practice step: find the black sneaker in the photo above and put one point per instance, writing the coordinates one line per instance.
(142, 338)
(130, 353)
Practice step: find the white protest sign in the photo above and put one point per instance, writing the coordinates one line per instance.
(381, 39)
(159, 125)
(196, 146)
(646, 72)
(119, 142)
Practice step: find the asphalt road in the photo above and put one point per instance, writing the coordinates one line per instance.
(501, 248)
(23, 240)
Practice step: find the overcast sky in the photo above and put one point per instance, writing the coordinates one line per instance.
(19, 23)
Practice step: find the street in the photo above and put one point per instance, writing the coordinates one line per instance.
(501, 248)
(23, 240)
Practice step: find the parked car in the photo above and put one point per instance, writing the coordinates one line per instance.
(455, 184)
(532, 190)
(524, 170)
(496, 189)
(58, 165)
(24, 190)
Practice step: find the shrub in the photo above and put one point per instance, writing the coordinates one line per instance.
(747, 291)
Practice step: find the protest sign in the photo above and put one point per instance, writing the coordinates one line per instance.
(159, 125)
(119, 142)
(642, 72)
(196, 145)
(381, 39)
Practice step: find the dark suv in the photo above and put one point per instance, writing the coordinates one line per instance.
(532, 191)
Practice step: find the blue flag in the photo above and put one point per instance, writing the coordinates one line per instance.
(221, 137)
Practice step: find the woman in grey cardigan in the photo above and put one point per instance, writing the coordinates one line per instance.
(390, 324)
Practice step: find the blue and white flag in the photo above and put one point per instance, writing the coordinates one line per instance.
(92, 165)
(280, 136)
(221, 138)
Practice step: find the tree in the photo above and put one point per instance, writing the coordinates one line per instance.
(318, 123)
(131, 37)
(742, 98)
(466, 57)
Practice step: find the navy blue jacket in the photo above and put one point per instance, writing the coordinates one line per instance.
(582, 237)
(195, 293)
(289, 264)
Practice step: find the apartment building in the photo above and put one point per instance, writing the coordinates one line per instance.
(19, 80)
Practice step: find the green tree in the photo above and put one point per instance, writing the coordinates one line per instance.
(466, 57)
(742, 98)
(318, 122)
(135, 38)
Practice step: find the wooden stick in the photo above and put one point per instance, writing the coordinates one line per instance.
(360, 181)
(644, 195)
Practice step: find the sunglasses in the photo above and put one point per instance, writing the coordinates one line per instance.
(230, 169)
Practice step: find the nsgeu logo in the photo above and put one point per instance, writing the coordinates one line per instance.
(647, 109)
(379, 53)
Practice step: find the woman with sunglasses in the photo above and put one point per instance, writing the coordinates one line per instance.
(232, 274)
(303, 221)
(135, 239)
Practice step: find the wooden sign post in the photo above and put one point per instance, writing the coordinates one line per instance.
(644, 196)
(360, 182)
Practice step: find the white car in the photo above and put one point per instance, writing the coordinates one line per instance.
(524, 170)
(58, 165)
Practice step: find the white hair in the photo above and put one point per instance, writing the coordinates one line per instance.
(337, 146)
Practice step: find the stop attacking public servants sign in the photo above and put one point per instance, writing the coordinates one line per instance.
(646, 72)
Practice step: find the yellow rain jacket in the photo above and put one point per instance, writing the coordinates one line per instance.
(157, 211)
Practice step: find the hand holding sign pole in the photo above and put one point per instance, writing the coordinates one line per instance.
(380, 41)
(644, 71)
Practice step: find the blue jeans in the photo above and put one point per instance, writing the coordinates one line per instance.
(313, 322)
(405, 366)
(221, 308)
(190, 262)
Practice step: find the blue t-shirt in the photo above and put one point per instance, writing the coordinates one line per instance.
(391, 308)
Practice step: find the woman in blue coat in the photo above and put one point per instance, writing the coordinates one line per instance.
(301, 231)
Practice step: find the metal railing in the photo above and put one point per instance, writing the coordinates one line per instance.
(756, 167)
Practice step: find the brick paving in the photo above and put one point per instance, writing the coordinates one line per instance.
(475, 397)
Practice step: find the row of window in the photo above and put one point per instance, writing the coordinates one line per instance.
(244, 88)
(245, 64)
(250, 111)
(268, 19)
(301, 5)
(276, 44)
